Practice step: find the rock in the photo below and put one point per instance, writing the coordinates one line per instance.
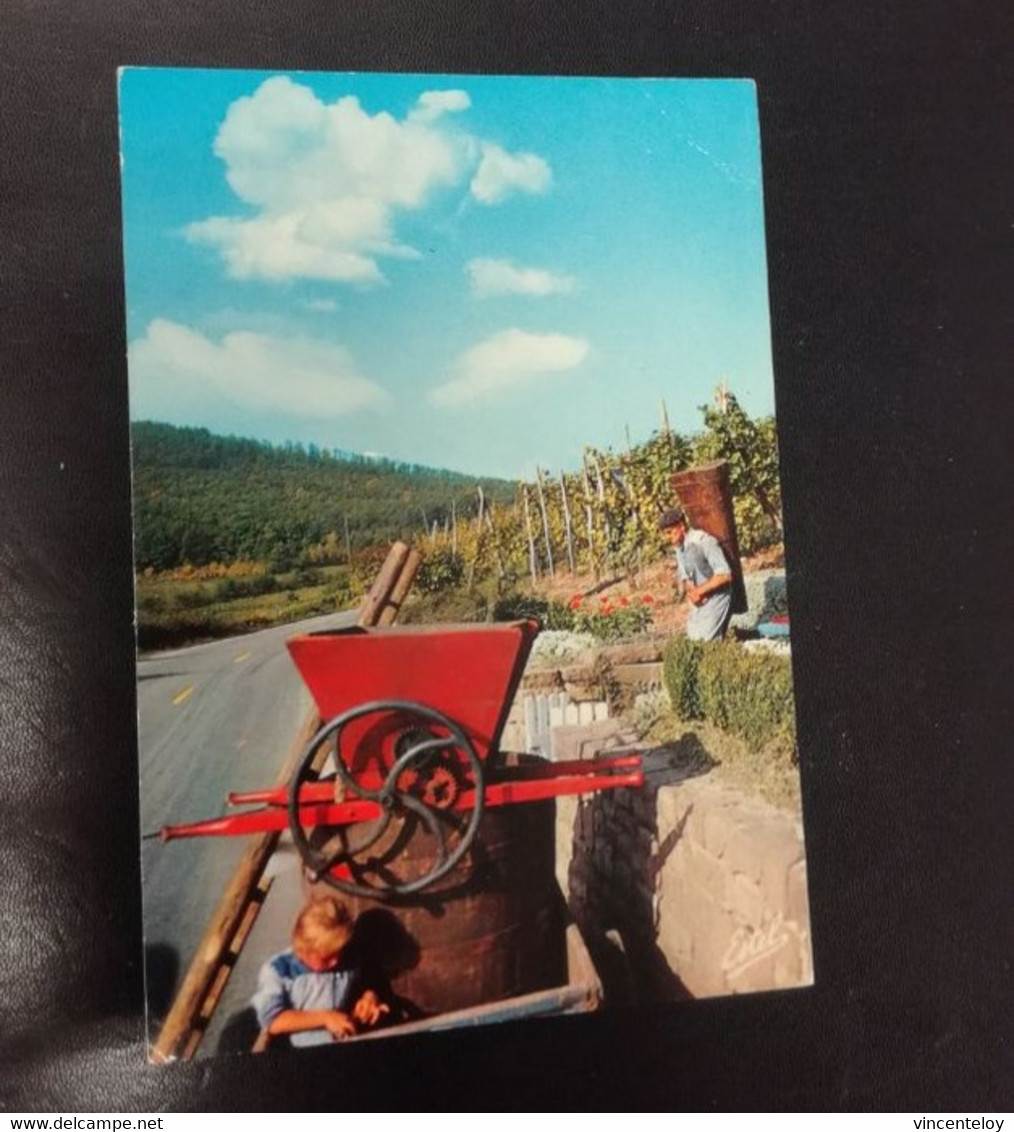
(586, 741)
(636, 652)
(546, 680)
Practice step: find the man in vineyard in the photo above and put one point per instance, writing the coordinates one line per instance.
(705, 575)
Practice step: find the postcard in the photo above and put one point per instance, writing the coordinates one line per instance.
(464, 641)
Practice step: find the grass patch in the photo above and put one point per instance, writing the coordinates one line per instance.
(172, 613)
(769, 771)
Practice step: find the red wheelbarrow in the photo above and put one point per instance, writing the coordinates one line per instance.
(410, 744)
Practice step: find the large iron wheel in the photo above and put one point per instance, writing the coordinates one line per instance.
(429, 756)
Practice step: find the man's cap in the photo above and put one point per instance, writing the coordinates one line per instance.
(671, 518)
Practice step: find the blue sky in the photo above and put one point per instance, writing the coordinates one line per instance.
(474, 272)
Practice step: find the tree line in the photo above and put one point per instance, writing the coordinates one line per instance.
(201, 498)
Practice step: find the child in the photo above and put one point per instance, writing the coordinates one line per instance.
(312, 992)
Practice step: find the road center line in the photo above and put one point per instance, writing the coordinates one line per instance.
(242, 656)
(181, 696)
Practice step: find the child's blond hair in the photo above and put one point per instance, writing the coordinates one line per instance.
(324, 925)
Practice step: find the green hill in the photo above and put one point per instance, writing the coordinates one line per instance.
(201, 498)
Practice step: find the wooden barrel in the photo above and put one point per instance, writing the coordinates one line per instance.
(490, 929)
(706, 497)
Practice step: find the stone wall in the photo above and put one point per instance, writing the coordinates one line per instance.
(605, 679)
(685, 887)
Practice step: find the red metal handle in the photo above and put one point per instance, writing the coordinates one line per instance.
(346, 813)
(273, 820)
(371, 780)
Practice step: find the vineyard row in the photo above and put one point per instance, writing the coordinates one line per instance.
(603, 519)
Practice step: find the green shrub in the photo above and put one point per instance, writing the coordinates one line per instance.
(518, 607)
(261, 584)
(232, 589)
(680, 663)
(615, 623)
(605, 622)
(194, 598)
(227, 589)
(521, 607)
(440, 570)
(745, 693)
(559, 617)
(306, 577)
(448, 606)
(365, 565)
(338, 593)
(150, 602)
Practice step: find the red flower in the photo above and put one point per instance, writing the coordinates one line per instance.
(647, 599)
(624, 601)
(575, 602)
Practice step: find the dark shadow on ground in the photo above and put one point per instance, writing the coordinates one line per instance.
(611, 889)
(387, 950)
(239, 1033)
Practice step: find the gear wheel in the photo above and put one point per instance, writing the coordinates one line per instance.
(440, 788)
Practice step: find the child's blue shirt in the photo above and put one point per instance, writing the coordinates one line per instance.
(286, 983)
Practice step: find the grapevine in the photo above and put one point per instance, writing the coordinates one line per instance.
(603, 518)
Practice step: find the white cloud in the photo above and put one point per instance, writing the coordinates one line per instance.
(490, 277)
(327, 181)
(501, 173)
(284, 149)
(277, 247)
(303, 377)
(505, 361)
(322, 305)
(433, 103)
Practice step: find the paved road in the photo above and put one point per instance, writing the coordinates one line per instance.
(212, 718)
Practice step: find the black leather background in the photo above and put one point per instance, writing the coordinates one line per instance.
(887, 151)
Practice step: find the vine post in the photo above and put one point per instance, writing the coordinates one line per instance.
(605, 511)
(566, 522)
(501, 571)
(589, 518)
(478, 539)
(531, 538)
(545, 521)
